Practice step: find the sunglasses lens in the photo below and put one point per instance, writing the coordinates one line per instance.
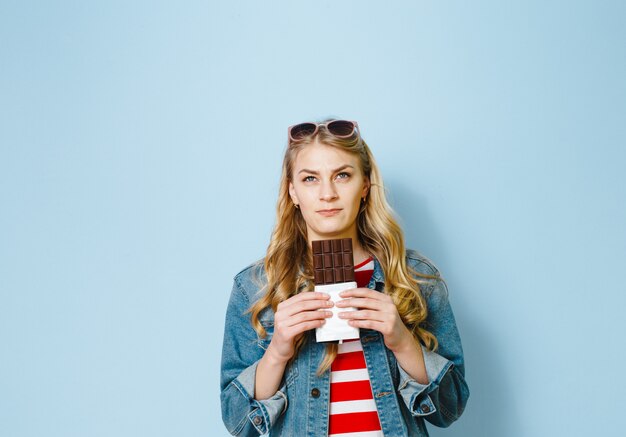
(341, 128)
(302, 130)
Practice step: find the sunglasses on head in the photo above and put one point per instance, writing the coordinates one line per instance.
(337, 128)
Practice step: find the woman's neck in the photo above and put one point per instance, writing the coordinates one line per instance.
(359, 254)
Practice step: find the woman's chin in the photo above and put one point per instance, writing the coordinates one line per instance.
(330, 232)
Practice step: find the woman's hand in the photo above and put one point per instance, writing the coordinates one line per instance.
(293, 317)
(376, 311)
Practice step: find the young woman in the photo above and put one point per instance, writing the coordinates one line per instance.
(406, 367)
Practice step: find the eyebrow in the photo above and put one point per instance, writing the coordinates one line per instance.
(305, 170)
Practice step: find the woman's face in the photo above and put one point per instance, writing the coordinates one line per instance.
(328, 184)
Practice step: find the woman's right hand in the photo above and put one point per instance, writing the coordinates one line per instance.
(293, 317)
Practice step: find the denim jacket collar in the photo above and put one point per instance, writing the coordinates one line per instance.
(377, 280)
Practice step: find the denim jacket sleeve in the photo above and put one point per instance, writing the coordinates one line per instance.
(443, 399)
(242, 414)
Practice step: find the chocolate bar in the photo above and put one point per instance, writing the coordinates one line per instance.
(333, 265)
(333, 261)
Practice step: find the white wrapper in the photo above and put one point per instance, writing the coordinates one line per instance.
(336, 328)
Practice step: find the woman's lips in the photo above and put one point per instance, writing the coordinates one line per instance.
(329, 212)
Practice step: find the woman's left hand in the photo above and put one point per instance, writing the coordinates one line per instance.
(378, 312)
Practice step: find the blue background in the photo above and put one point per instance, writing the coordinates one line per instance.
(140, 151)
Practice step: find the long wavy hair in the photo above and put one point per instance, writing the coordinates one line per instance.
(378, 233)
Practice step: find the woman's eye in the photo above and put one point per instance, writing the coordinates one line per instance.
(342, 175)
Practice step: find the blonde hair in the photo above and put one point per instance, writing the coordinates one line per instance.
(378, 233)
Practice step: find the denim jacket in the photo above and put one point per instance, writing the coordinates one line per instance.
(300, 407)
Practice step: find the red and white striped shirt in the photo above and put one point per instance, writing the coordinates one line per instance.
(352, 407)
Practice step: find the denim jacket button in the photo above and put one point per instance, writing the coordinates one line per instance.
(425, 408)
(257, 420)
(315, 393)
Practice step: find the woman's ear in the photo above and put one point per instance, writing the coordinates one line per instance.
(292, 193)
(366, 187)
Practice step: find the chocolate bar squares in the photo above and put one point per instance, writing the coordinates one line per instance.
(333, 261)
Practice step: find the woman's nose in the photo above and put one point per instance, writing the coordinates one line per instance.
(328, 192)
